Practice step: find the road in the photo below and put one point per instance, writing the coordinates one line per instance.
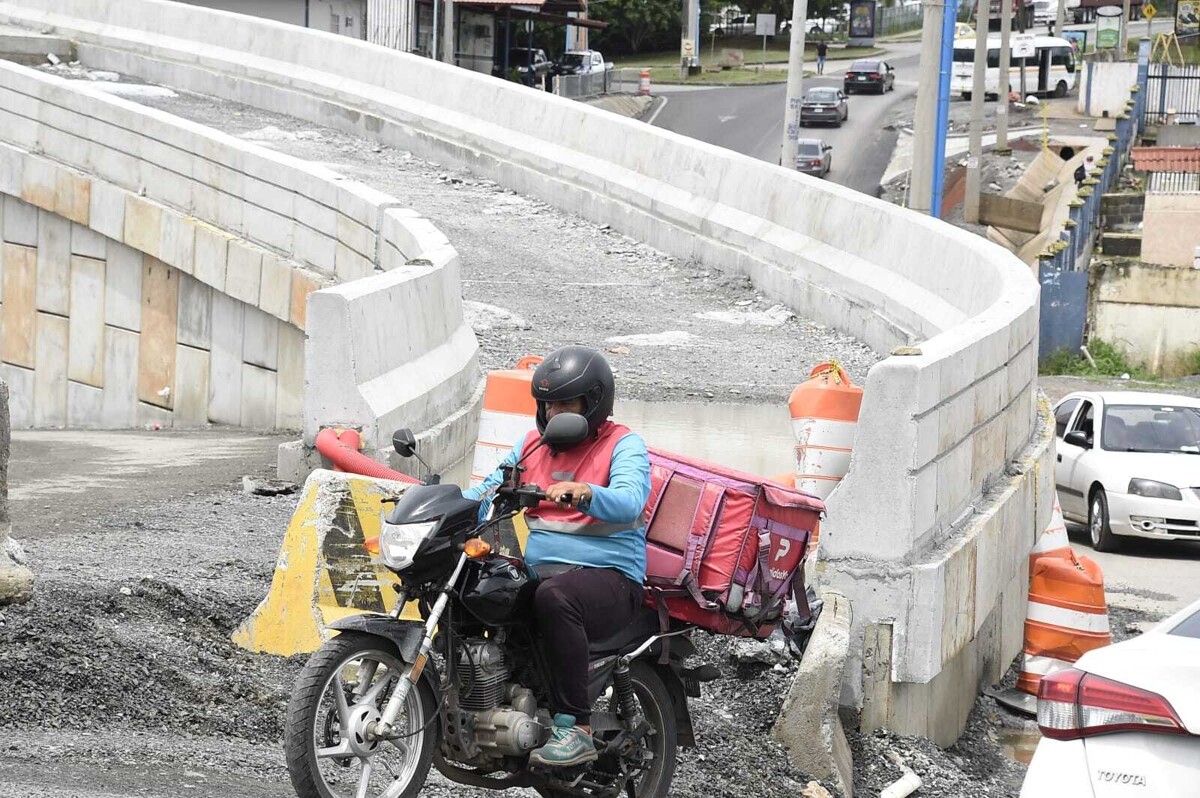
(749, 120)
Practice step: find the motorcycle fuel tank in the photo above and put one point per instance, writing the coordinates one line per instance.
(497, 591)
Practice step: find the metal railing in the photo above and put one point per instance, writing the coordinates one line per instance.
(1172, 89)
(591, 84)
(898, 19)
(1173, 183)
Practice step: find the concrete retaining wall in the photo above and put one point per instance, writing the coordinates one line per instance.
(1104, 87)
(161, 272)
(929, 530)
(1153, 312)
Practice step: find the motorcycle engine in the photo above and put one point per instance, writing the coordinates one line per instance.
(497, 718)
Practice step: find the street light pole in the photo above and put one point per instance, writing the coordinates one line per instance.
(1125, 31)
(920, 184)
(795, 86)
(978, 89)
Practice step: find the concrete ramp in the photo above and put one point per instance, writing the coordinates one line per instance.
(324, 572)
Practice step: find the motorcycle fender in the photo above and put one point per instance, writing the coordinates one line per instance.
(407, 635)
(683, 718)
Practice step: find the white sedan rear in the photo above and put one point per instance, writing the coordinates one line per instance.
(1129, 465)
(1125, 721)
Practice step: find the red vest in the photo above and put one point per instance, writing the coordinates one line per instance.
(588, 462)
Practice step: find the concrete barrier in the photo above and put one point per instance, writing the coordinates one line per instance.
(16, 581)
(160, 271)
(324, 573)
(924, 532)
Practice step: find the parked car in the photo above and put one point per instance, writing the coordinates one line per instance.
(579, 62)
(1129, 465)
(530, 65)
(814, 157)
(1125, 720)
(741, 25)
(824, 105)
(869, 74)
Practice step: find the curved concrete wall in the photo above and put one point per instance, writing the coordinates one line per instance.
(162, 272)
(929, 532)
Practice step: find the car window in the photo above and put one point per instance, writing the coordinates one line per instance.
(822, 96)
(810, 148)
(864, 66)
(1063, 415)
(1189, 627)
(1151, 428)
(572, 59)
(1085, 422)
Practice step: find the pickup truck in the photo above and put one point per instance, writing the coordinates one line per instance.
(528, 65)
(579, 62)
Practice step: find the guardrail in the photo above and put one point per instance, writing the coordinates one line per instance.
(591, 84)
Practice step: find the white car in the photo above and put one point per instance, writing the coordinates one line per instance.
(1125, 721)
(1129, 465)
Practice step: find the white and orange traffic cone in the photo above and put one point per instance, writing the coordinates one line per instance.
(509, 413)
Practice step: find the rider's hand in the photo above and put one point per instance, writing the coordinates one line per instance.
(581, 492)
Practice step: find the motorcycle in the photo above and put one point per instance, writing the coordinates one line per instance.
(467, 690)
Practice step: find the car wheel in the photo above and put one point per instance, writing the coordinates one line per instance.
(1061, 89)
(1098, 527)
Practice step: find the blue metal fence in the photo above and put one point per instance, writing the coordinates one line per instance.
(1061, 325)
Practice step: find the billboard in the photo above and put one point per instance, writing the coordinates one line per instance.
(1108, 27)
(1187, 18)
(862, 19)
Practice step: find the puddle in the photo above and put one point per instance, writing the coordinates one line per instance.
(1018, 744)
(753, 438)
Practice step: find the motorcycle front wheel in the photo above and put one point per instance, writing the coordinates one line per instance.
(343, 689)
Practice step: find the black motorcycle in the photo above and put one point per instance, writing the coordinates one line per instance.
(468, 690)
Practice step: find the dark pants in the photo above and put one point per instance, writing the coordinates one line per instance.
(572, 608)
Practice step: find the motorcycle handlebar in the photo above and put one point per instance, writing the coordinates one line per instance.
(530, 495)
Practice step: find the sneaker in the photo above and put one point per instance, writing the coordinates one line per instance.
(568, 745)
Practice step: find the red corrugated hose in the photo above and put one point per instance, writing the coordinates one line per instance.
(341, 448)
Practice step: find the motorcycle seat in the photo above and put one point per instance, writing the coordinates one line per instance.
(629, 638)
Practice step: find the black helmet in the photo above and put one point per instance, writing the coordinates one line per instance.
(571, 372)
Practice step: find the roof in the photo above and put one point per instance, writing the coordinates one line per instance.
(1167, 159)
(1138, 398)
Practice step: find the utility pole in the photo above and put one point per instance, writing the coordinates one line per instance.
(689, 56)
(920, 184)
(448, 43)
(978, 90)
(1125, 31)
(795, 86)
(1005, 82)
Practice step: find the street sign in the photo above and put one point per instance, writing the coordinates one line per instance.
(687, 48)
(1023, 45)
(764, 25)
(1148, 10)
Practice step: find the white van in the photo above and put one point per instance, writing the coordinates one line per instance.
(1051, 70)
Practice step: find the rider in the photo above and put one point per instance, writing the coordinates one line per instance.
(587, 544)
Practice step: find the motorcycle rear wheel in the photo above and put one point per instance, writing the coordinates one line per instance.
(661, 744)
(328, 755)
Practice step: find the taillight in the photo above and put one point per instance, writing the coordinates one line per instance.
(875, 76)
(1073, 705)
(851, 74)
(816, 162)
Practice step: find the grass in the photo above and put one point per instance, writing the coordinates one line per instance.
(777, 53)
(1189, 50)
(1111, 361)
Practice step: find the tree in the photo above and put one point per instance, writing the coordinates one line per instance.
(636, 25)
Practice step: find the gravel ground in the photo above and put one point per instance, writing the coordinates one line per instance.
(536, 278)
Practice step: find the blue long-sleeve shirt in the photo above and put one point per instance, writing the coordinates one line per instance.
(621, 502)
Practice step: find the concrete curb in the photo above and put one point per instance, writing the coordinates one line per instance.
(808, 725)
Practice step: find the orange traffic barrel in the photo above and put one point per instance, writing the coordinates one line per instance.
(824, 412)
(509, 413)
(1053, 542)
(1066, 616)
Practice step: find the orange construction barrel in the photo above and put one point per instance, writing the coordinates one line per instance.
(509, 413)
(824, 412)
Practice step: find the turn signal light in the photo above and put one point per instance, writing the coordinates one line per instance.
(1073, 705)
(372, 545)
(477, 549)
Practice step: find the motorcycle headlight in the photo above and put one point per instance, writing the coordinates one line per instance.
(1154, 490)
(398, 542)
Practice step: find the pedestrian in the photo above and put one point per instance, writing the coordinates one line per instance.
(587, 541)
(822, 51)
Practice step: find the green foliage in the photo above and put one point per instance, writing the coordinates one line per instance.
(637, 25)
(1189, 363)
(1110, 362)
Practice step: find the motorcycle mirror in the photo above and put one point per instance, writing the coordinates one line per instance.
(404, 442)
(565, 430)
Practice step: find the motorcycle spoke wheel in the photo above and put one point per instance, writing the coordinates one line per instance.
(339, 696)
